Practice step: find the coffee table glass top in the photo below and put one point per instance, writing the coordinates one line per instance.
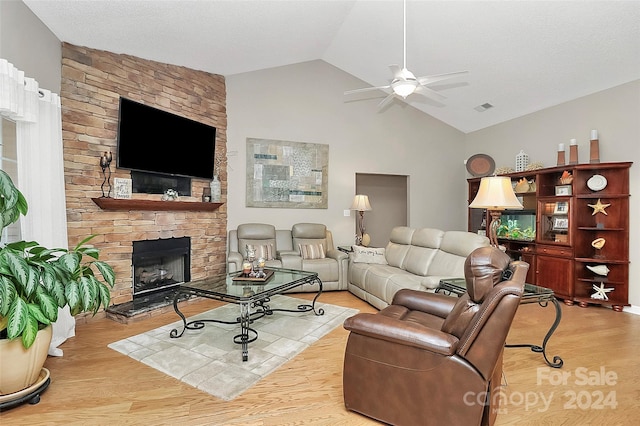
(532, 293)
(242, 290)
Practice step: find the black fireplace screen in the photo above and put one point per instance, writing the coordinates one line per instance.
(160, 264)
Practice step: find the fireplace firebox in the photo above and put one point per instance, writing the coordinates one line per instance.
(160, 265)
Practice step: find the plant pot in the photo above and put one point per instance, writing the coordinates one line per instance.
(20, 367)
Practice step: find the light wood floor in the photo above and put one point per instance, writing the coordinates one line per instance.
(92, 384)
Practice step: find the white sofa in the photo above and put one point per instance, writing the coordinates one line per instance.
(331, 269)
(414, 258)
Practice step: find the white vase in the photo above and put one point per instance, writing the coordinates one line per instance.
(216, 191)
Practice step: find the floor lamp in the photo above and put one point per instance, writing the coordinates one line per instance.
(495, 194)
(361, 204)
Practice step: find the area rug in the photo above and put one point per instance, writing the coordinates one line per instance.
(208, 359)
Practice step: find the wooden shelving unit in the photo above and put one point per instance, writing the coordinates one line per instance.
(566, 228)
(123, 204)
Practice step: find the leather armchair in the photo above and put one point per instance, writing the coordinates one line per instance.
(429, 358)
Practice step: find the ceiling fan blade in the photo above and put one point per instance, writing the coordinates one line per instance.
(430, 93)
(428, 79)
(386, 100)
(366, 89)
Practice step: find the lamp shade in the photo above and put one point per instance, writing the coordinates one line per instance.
(495, 193)
(361, 203)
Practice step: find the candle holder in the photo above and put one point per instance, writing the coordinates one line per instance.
(105, 164)
(561, 159)
(573, 152)
(594, 148)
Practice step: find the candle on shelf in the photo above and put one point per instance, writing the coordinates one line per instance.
(594, 149)
(561, 159)
(573, 151)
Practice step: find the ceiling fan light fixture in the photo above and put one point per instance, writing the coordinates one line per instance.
(404, 87)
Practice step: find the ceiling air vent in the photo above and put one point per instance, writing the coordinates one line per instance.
(483, 107)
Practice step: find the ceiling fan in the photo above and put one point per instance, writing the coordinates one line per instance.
(404, 82)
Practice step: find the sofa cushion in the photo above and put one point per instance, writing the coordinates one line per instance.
(264, 251)
(312, 251)
(454, 249)
(368, 255)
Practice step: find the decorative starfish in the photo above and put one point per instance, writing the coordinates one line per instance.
(601, 292)
(599, 207)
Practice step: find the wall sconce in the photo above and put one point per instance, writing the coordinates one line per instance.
(495, 194)
(361, 204)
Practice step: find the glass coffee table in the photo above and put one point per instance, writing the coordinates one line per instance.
(532, 294)
(251, 294)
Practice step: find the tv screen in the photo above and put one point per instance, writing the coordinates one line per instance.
(152, 140)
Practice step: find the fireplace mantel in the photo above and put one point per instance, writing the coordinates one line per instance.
(129, 204)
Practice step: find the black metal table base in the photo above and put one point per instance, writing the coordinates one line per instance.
(250, 311)
(557, 361)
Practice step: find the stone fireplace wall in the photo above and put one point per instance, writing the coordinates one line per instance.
(92, 83)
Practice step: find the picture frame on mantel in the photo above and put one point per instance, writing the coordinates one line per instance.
(122, 188)
(287, 174)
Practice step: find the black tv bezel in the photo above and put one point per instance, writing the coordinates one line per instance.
(165, 113)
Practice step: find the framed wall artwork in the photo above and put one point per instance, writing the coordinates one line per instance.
(287, 174)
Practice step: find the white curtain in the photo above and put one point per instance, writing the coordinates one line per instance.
(38, 120)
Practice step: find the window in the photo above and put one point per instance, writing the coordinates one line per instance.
(9, 163)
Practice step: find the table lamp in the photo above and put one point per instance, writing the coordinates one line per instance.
(361, 204)
(495, 194)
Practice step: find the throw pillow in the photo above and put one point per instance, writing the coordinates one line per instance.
(369, 255)
(311, 251)
(264, 251)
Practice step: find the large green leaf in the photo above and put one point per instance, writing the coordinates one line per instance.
(7, 294)
(36, 312)
(18, 267)
(70, 262)
(8, 191)
(72, 293)
(48, 305)
(18, 314)
(107, 272)
(105, 297)
(88, 292)
(30, 332)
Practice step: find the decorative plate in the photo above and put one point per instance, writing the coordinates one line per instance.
(480, 165)
(597, 183)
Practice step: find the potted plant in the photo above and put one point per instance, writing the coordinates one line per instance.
(35, 281)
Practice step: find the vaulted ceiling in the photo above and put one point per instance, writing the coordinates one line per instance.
(522, 56)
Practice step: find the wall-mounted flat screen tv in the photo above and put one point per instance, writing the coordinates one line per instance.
(157, 141)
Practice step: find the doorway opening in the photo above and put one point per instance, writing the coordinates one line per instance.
(389, 198)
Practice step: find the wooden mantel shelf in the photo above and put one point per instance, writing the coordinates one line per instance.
(122, 204)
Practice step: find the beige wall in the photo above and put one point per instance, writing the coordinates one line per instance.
(29, 45)
(615, 113)
(305, 103)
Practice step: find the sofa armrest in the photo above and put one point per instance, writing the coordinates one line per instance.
(234, 261)
(291, 261)
(336, 254)
(402, 332)
(431, 303)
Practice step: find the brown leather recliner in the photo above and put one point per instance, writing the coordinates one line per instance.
(434, 359)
